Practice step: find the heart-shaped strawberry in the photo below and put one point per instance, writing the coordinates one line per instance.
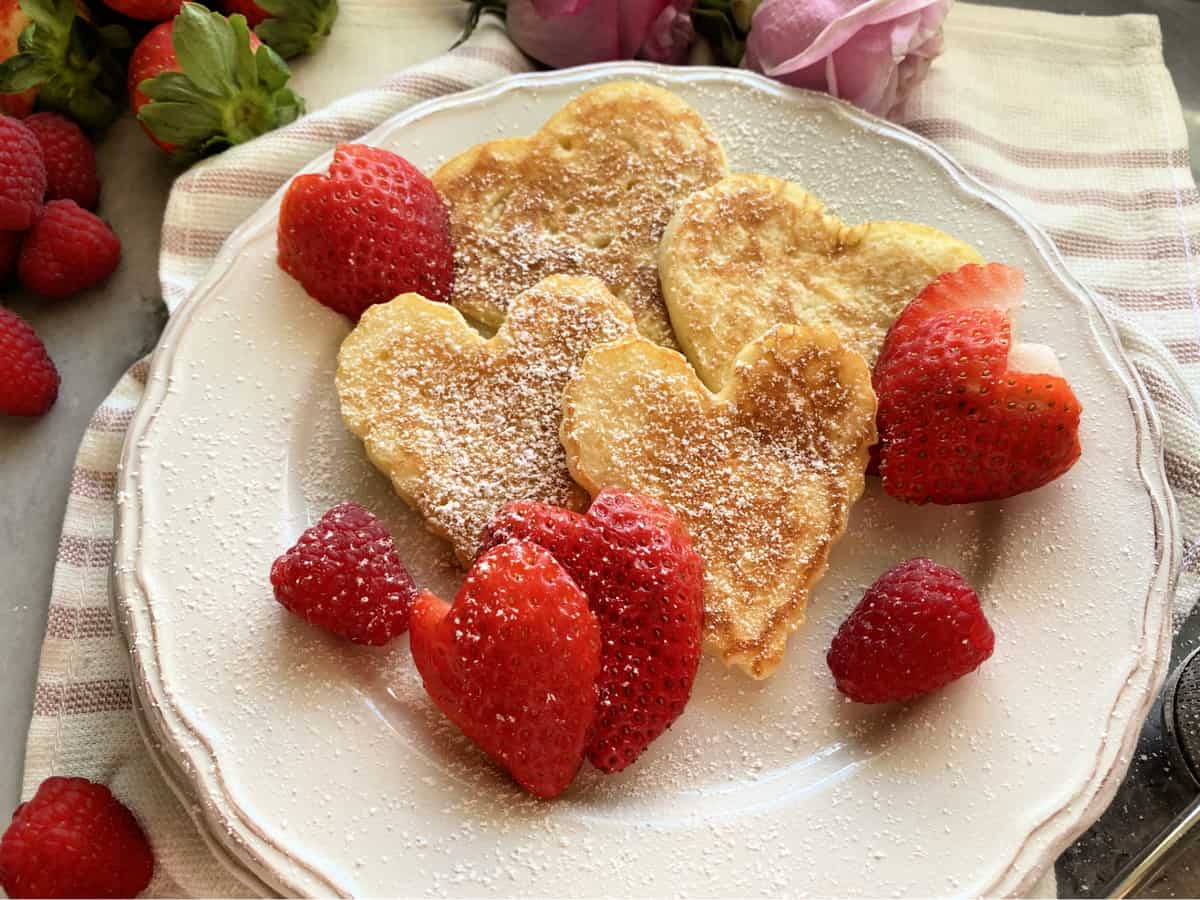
(964, 415)
(513, 663)
(634, 560)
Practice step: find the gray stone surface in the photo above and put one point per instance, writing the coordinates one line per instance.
(94, 338)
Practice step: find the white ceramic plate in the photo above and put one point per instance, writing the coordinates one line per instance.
(323, 768)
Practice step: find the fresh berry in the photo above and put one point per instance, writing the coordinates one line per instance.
(146, 10)
(22, 176)
(513, 663)
(67, 62)
(344, 575)
(289, 27)
(207, 102)
(371, 228)
(69, 157)
(13, 20)
(10, 249)
(67, 250)
(916, 629)
(644, 582)
(964, 416)
(28, 379)
(74, 839)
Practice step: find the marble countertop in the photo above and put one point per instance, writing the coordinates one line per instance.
(95, 337)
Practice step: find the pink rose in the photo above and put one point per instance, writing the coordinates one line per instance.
(562, 33)
(871, 54)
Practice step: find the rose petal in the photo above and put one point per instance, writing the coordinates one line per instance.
(549, 9)
(588, 36)
(670, 35)
(636, 18)
(782, 30)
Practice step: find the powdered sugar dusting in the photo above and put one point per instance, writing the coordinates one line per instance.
(589, 194)
(462, 425)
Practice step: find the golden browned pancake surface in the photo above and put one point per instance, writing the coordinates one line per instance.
(754, 251)
(762, 474)
(589, 194)
(462, 425)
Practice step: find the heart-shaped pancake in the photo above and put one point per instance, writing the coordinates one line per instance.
(589, 194)
(753, 251)
(462, 424)
(762, 474)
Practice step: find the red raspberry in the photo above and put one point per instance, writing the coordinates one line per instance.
(74, 839)
(916, 629)
(371, 228)
(344, 575)
(69, 158)
(68, 250)
(28, 379)
(645, 584)
(22, 176)
(513, 664)
(10, 249)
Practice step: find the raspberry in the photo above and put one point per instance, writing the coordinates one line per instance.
(344, 575)
(645, 583)
(22, 176)
(28, 378)
(10, 249)
(67, 250)
(917, 628)
(371, 228)
(74, 839)
(69, 158)
(513, 664)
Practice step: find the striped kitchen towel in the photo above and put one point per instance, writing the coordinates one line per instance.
(1075, 120)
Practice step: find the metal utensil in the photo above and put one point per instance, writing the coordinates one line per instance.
(1181, 717)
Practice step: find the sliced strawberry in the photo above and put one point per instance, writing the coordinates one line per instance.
(963, 415)
(513, 664)
(645, 583)
(202, 83)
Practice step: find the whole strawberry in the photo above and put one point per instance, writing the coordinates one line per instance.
(645, 583)
(202, 83)
(74, 839)
(963, 415)
(69, 158)
(146, 10)
(344, 575)
(22, 175)
(67, 250)
(28, 378)
(289, 27)
(513, 663)
(13, 20)
(51, 50)
(371, 228)
(917, 628)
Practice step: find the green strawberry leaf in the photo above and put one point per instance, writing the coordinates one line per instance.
(225, 94)
(206, 48)
(20, 73)
(273, 72)
(79, 69)
(181, 123)
(246, 70)
(296, 26)
(173, 87)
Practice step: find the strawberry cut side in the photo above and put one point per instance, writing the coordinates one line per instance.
(958, 422)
